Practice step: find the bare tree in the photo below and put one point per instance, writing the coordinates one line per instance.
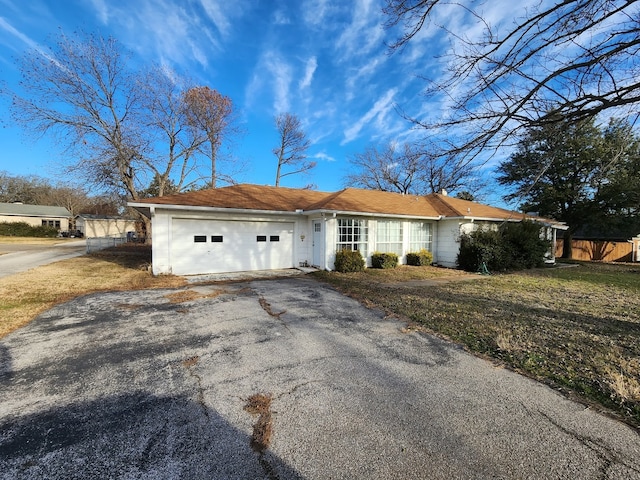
(567, 60)
(83, 93)
(390, 168)
(210, 112)
(172, 155)
(124, 129)
(292, 148)
(410, 169)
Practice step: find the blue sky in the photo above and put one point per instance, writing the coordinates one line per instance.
(323, 60)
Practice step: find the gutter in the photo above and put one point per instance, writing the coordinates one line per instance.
(158, 206)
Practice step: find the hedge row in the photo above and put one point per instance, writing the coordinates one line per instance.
(23, 229)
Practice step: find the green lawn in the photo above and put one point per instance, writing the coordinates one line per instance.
(575, 328)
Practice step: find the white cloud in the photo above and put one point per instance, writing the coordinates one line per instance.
(323, 156)
(310, 69)
(314, 11)
(378, 112)
(102, 10)
(362, 75)
(214, 11)
(7, 27)
(364, 33)
(280, 18)
(274, 72)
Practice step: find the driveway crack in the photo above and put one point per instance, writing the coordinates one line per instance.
(607, 455)
(190, 364)
(266, 306)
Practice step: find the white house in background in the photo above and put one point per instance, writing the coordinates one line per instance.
(35, 215)
(251, 227)
(93, 226)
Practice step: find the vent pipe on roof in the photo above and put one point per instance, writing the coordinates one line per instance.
(443, 192)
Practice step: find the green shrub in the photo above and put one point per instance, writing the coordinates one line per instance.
(384, 260)
(23, 229)
(513, 246)
(349, 261)
(523, 246)
(420, 258)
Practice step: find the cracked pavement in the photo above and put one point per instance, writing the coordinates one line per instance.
(140, 385)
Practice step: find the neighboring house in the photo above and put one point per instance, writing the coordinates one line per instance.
(251, 227)
(35, 215)
(93, 226)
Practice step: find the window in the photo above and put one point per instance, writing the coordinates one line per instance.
(389, 237)
(421, 236)
(216, 238)
(261, 238)
(57, 224)
(44, 223)
(317, 227)
(352, 235)
(200, 238)
(274, 238)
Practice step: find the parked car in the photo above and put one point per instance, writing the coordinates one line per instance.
(71, 234)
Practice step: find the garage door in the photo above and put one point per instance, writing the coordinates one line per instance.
(214, 246)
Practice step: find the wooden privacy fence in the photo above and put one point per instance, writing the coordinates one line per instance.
(598, 250)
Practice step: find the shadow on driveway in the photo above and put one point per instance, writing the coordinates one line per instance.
(135, 435)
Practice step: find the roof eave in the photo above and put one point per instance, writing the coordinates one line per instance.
(547, 223)
(199, 208)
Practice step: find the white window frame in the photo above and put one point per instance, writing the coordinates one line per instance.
(389, 236)
(353, 234)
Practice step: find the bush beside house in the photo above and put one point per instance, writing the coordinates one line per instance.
(384, 260)
(420, 258)
(23, 229)
(349, 261)
(513, 246)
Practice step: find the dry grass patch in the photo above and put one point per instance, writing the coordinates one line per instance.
(190, 295)
(260, 404)
(575, 328)
(25, 295)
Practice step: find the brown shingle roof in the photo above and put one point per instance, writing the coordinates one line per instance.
(456, 207)
(249, 197)
(377, 202)
(280, 199)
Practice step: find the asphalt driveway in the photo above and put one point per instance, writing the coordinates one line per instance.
(154, 384)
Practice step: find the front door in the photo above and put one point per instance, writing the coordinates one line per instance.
(318, 244)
